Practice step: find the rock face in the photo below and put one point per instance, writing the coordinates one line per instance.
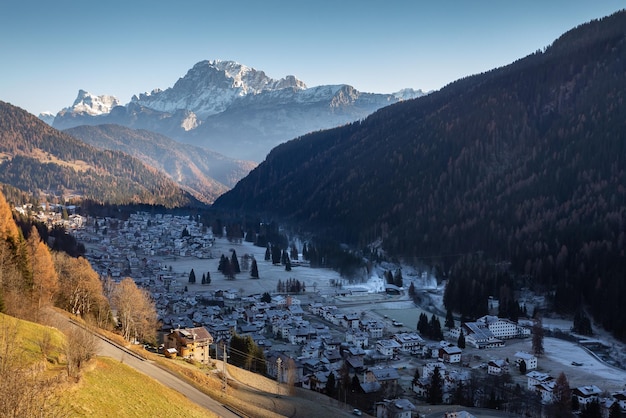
(232, 109)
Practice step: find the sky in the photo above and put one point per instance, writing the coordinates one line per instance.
(49, 50)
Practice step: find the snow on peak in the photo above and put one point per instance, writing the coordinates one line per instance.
(210, 87)
(87, 103)
(408, 94)
(47, 117)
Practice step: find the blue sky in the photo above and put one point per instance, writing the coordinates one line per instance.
(50, 50)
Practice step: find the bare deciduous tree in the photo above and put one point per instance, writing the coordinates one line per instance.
(81, 346)
(136, 311)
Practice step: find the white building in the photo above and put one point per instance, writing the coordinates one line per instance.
(587, 394)
(410, 342)
(450, 354)
(535, 378)
(529, 359)
(395, 408)
(503, 328)
(497, 367)
(387, 347)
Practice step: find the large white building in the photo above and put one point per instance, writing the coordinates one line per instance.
(489, 331)
(502, 328)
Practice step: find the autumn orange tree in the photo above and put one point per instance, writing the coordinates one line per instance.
(80, 289)
(45, 282)
(15, 270)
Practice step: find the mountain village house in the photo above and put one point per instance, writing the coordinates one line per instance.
(190, 343)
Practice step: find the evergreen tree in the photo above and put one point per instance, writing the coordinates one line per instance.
(208, 278)
(449, 319)
(461, 340)
(234, 262)
(288, 264)
(294, 252)
(416, 377)
(254, 270)
(522, 367)
(203, 279)
(276, 254)
(537, 340)
(356, 385)
(267, 253)
(459, 394)
(435, 389)
(582, 324)
(412, 290)
(305, 252)
(192, 276)
(266, 297)
(397, 278)
(389, 277)
(434, 328)
(221, 264)
(226, 267)
(330, 385)
(422, 324)
(591, 410)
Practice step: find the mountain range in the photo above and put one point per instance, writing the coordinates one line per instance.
(231, 109)
(522, 166)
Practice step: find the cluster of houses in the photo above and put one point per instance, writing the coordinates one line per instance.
(544, 384)
(192, 323)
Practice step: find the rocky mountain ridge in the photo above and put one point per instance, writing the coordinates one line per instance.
(232, 109)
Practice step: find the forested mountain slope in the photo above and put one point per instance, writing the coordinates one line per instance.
(41, 160)
(523, 164)
(206, 174)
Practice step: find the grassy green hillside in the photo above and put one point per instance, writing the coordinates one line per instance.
(112, 388)
(33, 377)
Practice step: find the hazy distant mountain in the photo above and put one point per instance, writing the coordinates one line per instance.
(232, 109)
(40, 160)
(204, 173)
(522, 166)
(47, 117)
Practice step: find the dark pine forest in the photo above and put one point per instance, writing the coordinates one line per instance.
(514, 177)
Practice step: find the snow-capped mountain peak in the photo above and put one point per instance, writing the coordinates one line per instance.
(210, 87)
(231, 108)
(47, 117)
(87, 103)
(408, 94)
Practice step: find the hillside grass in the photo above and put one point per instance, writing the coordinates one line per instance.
(112, 388)
(32, 344)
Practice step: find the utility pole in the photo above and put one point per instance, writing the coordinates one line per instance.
(225, 380)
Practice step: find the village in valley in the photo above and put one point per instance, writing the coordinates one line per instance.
(330, 326)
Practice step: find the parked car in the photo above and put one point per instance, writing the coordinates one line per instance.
(356, 411)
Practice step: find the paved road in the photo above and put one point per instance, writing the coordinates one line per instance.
(108, 349)
(148, 368)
